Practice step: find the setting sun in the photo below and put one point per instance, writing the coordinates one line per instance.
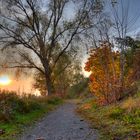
(5, 80)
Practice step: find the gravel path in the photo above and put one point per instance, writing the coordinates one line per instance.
(61, 124)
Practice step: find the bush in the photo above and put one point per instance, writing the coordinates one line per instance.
(17, 112)
(116, 113)
(79, 90)
(53, 100)
(129, 119)
(27, 106)
(12, 104)
(6, 110)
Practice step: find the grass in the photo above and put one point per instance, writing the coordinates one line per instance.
(17, 113)
(120, 121)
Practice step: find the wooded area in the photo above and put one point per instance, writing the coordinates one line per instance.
(51, 41)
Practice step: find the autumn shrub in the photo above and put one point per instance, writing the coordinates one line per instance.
(105, 78)
(104, 66)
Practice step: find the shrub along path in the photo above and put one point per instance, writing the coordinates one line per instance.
(61, 124)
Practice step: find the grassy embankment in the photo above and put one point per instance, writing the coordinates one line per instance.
(120, 121)
(16, 113)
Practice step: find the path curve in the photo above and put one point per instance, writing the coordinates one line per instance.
(61, 124)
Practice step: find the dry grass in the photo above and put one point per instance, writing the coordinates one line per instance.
(131, 104)
(120, 121)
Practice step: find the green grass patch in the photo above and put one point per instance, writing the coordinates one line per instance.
(18, 113)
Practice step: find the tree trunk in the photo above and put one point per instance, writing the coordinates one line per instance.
(48, 80)
(122, 66)
(48, 85)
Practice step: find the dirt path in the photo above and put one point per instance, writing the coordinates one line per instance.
(62, 124)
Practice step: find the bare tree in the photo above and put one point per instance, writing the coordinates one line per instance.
(123, 23)
(38, 27)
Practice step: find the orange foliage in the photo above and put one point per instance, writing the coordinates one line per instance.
(105, 83)
(104, 65)
(136, 65)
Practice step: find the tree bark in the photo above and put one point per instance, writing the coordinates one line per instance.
(122, 67)
(48, 85)
(48, 80)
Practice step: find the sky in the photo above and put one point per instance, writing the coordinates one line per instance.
(9, 82)
(135, 8)
(134, 15)
(25, 84)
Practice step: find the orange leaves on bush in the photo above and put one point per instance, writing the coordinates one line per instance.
(86, 106)
(104, 65)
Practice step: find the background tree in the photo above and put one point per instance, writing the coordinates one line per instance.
(66, 74)
(123, 24)
(132, 57)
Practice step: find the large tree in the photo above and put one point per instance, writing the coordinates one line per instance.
(124, 22)
(35, 28)
(62, 77)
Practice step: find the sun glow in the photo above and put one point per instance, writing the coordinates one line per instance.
(37, 93)
(5, 80)
(85, 73)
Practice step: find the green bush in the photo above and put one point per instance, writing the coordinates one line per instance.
(54, 100)
(17, 112)
(11, 104)
(116, 113)
(27, 106)
(79, 90)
